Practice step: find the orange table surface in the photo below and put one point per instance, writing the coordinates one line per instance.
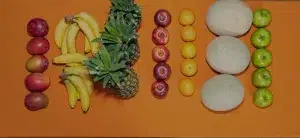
(144, 115)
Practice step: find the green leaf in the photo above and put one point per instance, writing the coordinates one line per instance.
(97, 78)
(105, 81)
(116, 67)
(97, 39)
(115, 78)
(105, 57)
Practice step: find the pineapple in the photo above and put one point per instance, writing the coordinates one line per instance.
(112, 71)
(119, 32)
(128, 9)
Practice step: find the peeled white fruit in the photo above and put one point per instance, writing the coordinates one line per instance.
(222, 93)
(229, 17)
(226, 54)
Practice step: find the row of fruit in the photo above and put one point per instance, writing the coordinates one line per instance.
(188, 52)
(262, 58)
(112, 65)
(36, 82)
(161, 54)
(229, 56)
(75, 76)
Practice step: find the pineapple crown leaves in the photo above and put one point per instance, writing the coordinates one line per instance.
(106, 68)
(131, 11)
(117, 32)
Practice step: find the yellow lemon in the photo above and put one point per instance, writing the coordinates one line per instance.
(186, 17)
(189, 67)
(186, 87)
(188, 50)
(188, 33)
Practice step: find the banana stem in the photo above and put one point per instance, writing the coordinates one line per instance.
(69, 18)
(63, 76)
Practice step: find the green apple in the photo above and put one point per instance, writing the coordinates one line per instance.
(261, 77)
(261, 18)
(261, 38)
(261, 58)
(262, 97)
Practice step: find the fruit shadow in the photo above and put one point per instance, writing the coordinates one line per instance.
(218, 73)
(224, 112)
(105, 93)
(239, 36)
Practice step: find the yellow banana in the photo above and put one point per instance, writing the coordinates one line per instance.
(86, 29)
(71, 38)
(82, 89)
(72, 93)
(73, 64)
(60, 32)
(64, 48)
(91, 21)
(87, 47)
(69, 58)
(83, 72)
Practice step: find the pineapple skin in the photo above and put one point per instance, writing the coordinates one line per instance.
(130, 86)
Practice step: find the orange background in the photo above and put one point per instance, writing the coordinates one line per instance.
(144, 115)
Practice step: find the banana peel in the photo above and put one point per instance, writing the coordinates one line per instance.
(69, 58)
(83, 72)
(91, 21)
(72, 93)
(59, 32)
(80, 86)
(71, 37)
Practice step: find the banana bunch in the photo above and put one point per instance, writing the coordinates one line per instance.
(79, 85)
(75, 76)
(68, 28)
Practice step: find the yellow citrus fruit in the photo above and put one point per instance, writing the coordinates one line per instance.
(188, 50)
(188, 33)
(189, 67)
(186, 17)
(186, 87)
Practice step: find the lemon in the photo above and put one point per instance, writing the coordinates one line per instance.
(188, 33)
(188, 50)
(186, 17)
(188, 67)
(187, 87)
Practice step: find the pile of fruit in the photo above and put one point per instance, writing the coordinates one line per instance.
(75, 76)
(36, 82)
(110, 54)
(112, 65)
(161, 54)
(229, 56)
(262, 58)
(188, 52)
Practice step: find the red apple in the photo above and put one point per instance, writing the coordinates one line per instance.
(160, 54)
(162, 18)
(37, 64)
(37, 82)
(162, 71)
(160, 89)
(38, 46)
(160, 36)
